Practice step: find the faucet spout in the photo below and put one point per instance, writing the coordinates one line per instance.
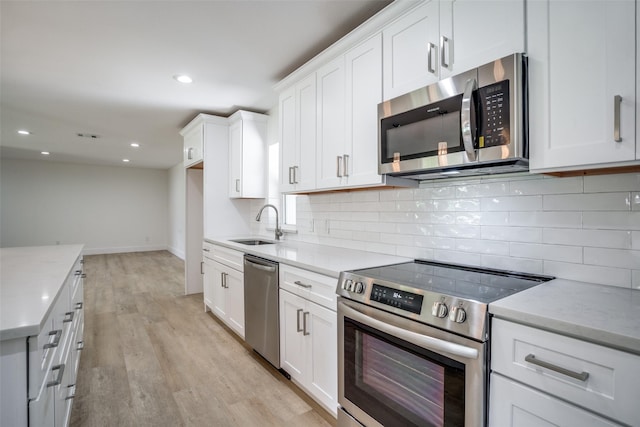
(278, 230)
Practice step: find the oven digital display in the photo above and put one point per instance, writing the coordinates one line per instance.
(400, 299)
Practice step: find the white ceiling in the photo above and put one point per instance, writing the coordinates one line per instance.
(106, 68)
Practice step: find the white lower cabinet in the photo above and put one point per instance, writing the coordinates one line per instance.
(542, 378)
(308, 333)
(223, 284)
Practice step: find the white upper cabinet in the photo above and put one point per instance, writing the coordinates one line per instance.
(331, 125)
(247, 142)
(193, 141)
(582, 84)
(442, 38)
(298, 136)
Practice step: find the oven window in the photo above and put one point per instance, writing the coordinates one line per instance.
(400, 384)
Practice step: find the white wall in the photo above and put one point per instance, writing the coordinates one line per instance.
(177, 209)
(580, 228)
(109, 209)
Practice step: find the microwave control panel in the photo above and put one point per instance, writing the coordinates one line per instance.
(493, 115)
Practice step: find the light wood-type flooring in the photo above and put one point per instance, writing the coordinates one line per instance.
(153, 357)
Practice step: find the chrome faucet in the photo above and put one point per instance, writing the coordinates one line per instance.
(278, 230)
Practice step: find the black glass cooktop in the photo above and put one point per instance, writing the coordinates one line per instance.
(474, 283)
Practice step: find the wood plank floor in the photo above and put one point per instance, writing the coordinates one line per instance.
(153, 357)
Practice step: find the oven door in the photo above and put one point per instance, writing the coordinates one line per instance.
(397, 372)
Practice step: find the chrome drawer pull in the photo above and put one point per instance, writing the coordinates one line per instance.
(56, 339)
(57, 381)
(84, 275)
(71, 314)
(299, 283)
(78, 306)
(531, 358)
(80, 345)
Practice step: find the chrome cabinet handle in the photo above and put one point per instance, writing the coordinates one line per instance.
(79, 306)
(206, 249)
(465, 119)
(190, 153)
(71, 314)
(443, 40)
(338, 164)
(80, 345)
(617, 100)
(299, 283)
(237, 185)
(57, 381)
(222, 280)
(295, 175)
(226, 284)
(56, 339)
(298, 328)
(71, 396)
(531, 358)
(304, 324)
(290, 175)
(430, 50)
(78, 272)
(346, 165)
(84, 275)
(201, 267)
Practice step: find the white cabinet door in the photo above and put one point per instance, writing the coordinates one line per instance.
(364, 93)
(235, 160)
(208, 281)
(331, 124)
(515, 405)
(575, 73)
(322, 330)
(466, 45)
(406, 47)
(234, 282)
(193, 146)
(292, 344)
(219, 295)
(288, 139)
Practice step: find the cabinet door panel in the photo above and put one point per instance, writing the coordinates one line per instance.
(292, 345)
(219, 298)
(574, 72)
(364, 93)
(405, 44)
(235, 159)
(322, 329)
(502, 32)
(235, 300)
(306, 133)
(208, 281)
(331, 124)
(288, 144)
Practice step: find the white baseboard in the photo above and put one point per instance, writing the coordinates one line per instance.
(180, 254)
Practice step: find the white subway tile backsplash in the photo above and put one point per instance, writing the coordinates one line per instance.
(546, 252)
(512, 203)
(512, 234)
(546, 219)
(588, 202)
(589, 273)
(611, 220)
(546, 186)
(580, 228)
(612, 183)
(612, 257)
(482, 246)
(591, 238)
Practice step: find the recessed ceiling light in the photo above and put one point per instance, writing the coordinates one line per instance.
(125, 160)
(183, 78)
(24, 132)
(135, 145)
(45, 153)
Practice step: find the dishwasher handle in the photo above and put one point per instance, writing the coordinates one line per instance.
(258, 264)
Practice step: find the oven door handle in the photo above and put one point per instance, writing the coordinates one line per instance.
(423, 341)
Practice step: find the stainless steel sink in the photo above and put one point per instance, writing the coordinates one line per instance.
(252, 242)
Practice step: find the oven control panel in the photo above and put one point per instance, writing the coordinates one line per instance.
(396, 298)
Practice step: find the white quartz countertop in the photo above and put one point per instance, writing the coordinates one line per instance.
(322, 259)
(601, 314)
(30, 280)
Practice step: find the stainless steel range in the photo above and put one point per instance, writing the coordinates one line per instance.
(413, 342)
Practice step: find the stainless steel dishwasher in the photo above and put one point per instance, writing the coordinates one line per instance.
(261, 318)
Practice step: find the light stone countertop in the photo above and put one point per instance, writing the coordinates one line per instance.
(322, 259)
(601, 314)
(30, 280)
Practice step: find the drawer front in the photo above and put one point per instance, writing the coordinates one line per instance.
(207, 250)
(228, 257)
(515, 405)
(316, 287)
(610, 379)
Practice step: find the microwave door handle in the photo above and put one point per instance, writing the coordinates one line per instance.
(465, 119)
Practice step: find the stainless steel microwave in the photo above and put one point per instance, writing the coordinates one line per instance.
(469, 124)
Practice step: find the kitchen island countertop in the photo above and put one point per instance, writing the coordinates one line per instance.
(322, 259)
(605, 315)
